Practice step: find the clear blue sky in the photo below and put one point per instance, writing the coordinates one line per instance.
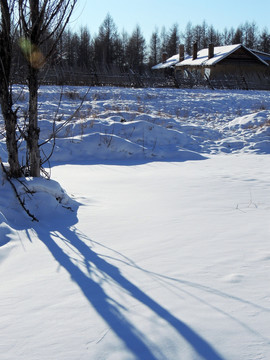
(149, 14)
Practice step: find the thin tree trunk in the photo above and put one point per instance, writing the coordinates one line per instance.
(10, 117)
(10, 120)
(33, 129)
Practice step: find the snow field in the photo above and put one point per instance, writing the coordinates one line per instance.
(158, 260)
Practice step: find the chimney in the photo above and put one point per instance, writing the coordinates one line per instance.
(210, 51)
(195, 49)
(164, 57)
(181, 52)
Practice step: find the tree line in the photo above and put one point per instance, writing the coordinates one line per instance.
(85, 52)
(108, 46)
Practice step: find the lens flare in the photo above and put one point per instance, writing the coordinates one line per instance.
(32, 53)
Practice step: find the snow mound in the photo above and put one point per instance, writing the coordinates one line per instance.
(43, 186)
(250, 132)
(250, 121)
(45, 199)
(110, 139)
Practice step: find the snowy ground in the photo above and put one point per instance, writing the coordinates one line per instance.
(157, 260)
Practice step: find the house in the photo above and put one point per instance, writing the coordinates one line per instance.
(231, 66)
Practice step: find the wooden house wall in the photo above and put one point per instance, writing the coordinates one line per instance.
(238, 75)
(231, 73)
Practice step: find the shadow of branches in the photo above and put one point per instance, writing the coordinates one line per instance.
(105, 306)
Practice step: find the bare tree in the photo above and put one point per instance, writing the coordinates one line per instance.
(9, 115)
(41, 22)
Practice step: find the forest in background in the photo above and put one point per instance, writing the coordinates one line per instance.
(110, 49)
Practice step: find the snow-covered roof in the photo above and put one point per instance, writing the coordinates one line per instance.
(220, 53)
(169, 62)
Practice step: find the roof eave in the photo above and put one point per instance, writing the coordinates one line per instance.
(250, 51)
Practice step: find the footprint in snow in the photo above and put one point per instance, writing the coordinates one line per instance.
(233, 278)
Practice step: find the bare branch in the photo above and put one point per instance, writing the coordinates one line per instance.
(17, 194)
(58, 129)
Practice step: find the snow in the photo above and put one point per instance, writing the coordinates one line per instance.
(153, 234)
(171, 61)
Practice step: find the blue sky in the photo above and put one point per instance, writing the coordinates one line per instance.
(158, 13)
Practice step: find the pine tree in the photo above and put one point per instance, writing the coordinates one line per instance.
(238, 36)
(106, 42)
(173, 41)
(154, 48)
(85, 51)
(188, 38)
(163, 43)
(136, 49)
(264, 41)
(250, 35)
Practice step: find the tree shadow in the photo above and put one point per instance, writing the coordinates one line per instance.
(106, 307)
(178, 284)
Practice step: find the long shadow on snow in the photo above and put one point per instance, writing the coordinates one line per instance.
(187, 155)
(133, 339)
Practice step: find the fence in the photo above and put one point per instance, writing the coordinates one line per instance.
(100, 76)
(104, 75)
